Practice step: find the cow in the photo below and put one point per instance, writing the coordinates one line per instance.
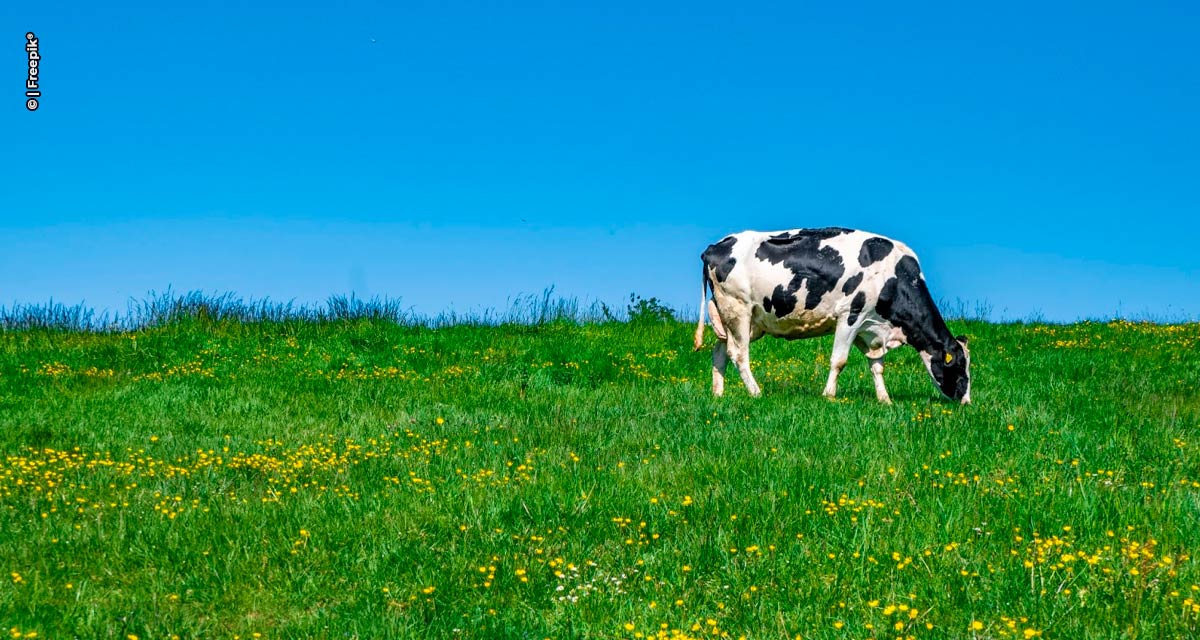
(865, 289)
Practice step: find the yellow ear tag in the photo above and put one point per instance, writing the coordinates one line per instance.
(949, 358)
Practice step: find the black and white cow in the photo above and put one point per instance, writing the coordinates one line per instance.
(865, 289)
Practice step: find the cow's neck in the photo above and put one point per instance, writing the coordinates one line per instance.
(926, 332)
(905, 302)
(910, 307)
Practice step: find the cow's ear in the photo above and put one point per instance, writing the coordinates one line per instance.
(962, 339)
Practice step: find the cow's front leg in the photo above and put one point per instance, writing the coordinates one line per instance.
(874, 349)
(843, 338)
(720, 360)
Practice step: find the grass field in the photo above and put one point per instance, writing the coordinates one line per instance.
(366, 479)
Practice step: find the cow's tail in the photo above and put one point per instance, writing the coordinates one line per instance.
(698, 343)
(714, 315)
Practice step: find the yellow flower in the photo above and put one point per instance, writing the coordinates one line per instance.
(976, 625)
(441, 420)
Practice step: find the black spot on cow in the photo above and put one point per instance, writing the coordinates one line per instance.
(905, 302)
(719, 257)
(802, 254)
(873, 250)
(852, 283)
(823, 233)
(887, 295)
(856, 307)
(781, 301)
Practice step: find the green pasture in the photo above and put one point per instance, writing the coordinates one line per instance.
(366, 479)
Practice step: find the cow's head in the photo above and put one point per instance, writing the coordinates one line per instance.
(950, 366)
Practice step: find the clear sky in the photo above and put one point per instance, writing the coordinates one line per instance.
(1041, 157)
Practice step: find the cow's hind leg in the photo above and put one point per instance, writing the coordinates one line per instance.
(875, 357)
(738, 345)
(720, 360)
(843, 338)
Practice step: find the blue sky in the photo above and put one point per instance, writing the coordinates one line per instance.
(1042, 159)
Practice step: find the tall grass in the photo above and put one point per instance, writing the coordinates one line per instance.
(55, 316)
(163, 309)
